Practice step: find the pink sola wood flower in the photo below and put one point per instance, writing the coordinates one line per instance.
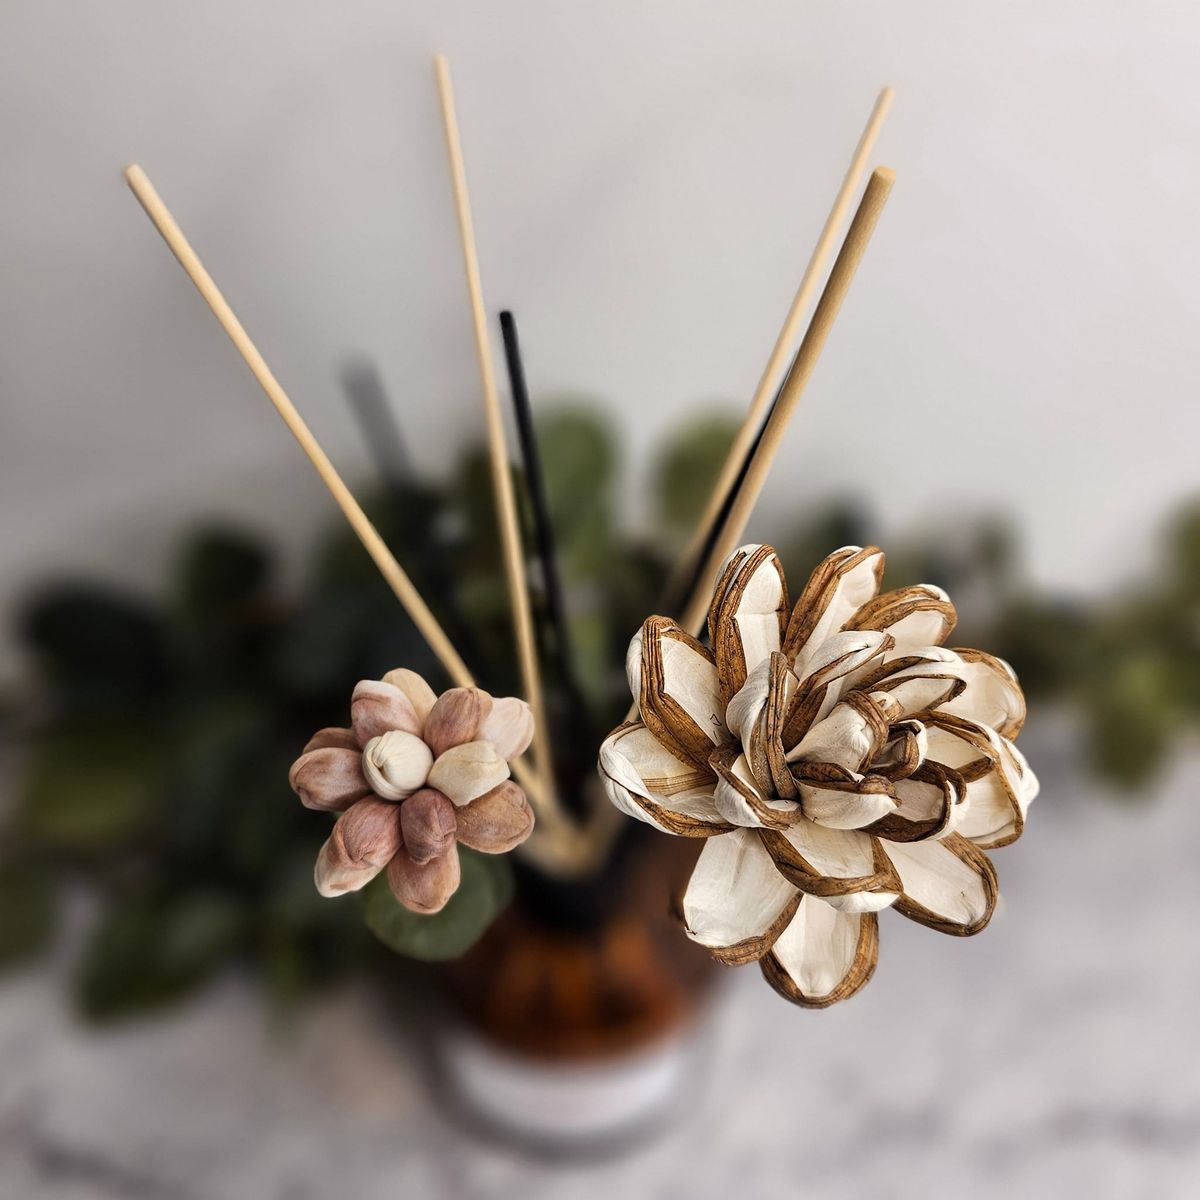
(839, 760)
(415, 776)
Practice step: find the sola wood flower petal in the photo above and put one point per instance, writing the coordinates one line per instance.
(362, 843)
(508, 726)
(428, 823)
(377, 708)
(329, 778)
(466, 772)
(419, 694)
(835, 591)
(736, 903)
(748, 615)
(843, 866)
(679, 697)
(949, 885)
(455, 718)
(914, 616)
(824, 955)
(424, 887)
(497, 822)
(646, 780)
(396, 763)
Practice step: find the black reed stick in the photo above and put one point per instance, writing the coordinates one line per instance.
(543, 526)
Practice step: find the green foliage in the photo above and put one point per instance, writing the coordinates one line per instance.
(485, 891)
(687, 469)
(29, 904)
(90, 788)
(146, 952)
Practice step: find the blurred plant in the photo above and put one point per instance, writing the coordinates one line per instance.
(155, 777)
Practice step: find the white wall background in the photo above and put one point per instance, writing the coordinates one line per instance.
(648, 180)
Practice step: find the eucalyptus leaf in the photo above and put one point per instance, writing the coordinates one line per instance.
(485, 891)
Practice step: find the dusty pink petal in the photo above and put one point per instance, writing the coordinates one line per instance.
(332, 735)
(363, 842)
(377, 708)
(455, 718)
(424, 887)
(329, 778)
(428, 822)
(498, 821)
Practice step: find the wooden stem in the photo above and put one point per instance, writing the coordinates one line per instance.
(506, 508)
(375, 546)
(743, 442)
(853, 248)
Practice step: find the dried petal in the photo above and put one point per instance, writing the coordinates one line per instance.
(843, 866)
(420, 695)
(835, 591)
(332, 736)
(377, 708)
(465, 772)
(644, 779)
(424, 887)
(363, 841)
(455, 718)
(915, 616)
(736, 902)
(508, 726)
(748, 615)
(740, 800)
(930, 800)
(823, 955)
(428, 823)
(498, 821)
(843, 799)
(680, 699)
(396, 764)
(949, 885)
(329, 778)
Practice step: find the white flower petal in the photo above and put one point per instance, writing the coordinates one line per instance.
(736, 902)
(835, 591)
(823, 955)
(680, 697)
(949, 884)
(645, 780)
(915, 616)
(748, 614)
(834, 863)
(741, 801)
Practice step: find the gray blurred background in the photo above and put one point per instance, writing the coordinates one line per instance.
(648, 179)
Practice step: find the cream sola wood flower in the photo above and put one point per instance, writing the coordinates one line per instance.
(838, 758)
(415, 776)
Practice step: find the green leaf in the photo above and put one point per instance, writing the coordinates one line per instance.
(220, 568)
(28, 911)
(485, 891)
(99, 648)
(688, 468)
(89, 788)
(148, 952)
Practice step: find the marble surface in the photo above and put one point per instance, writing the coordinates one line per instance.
(1055, 1054)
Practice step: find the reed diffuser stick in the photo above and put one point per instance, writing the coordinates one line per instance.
(743, 443)
(857, 238)
(506, 507)
(375, 546)
(543, 529)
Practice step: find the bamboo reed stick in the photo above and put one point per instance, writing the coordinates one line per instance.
(743, 443)
(375, 546)
(506, 508)
(857, 238)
